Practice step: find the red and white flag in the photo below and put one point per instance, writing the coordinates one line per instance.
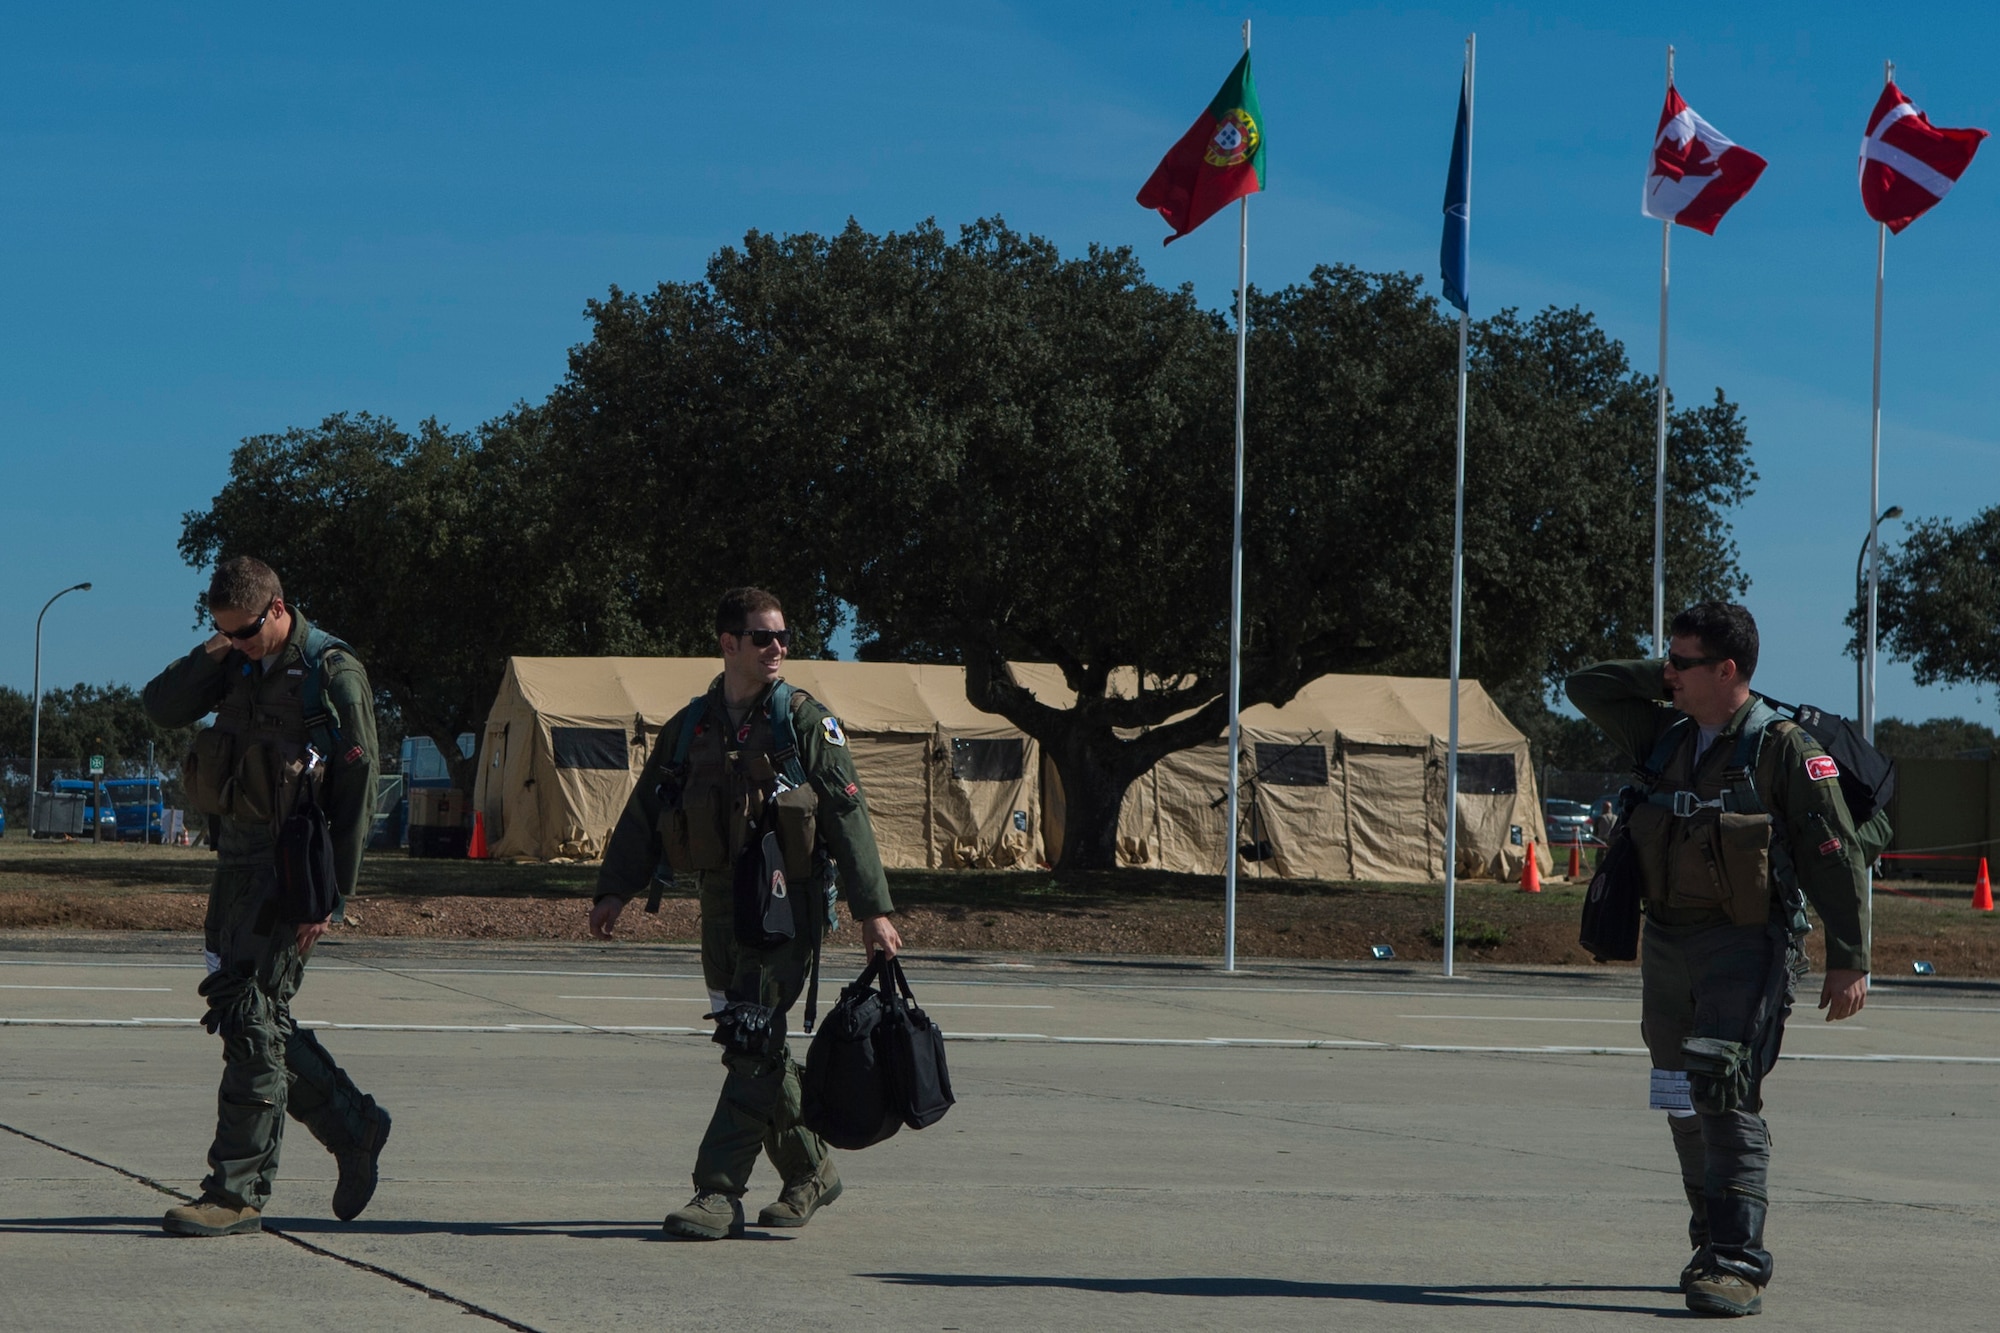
(1696, 174)
(1907, 163)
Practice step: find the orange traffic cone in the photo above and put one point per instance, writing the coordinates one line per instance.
(1531, 874)
(1576, 860)
(1982, 890)
(477, 851)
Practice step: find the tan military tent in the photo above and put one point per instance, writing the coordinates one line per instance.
(1347, 781)
(948, 785)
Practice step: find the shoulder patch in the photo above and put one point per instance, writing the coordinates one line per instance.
(1820, 768)
(831, 726)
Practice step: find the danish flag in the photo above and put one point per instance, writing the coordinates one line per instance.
(1696, 174)
(1907, 163)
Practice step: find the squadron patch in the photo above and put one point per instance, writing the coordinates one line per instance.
(834, 735)
(743, 734)
(1819, 768)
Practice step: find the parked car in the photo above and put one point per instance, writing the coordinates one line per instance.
(1567, 821)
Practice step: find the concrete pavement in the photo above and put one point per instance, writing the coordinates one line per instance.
(1137, 1145)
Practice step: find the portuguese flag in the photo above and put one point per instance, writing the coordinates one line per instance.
(1218, 161)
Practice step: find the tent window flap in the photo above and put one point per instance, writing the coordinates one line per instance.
(590, 747)
(1291, 765)
(1001, 760)
(1486, 774)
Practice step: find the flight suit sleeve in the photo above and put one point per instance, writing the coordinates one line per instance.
(843, 809)
(1627, 700)
(348, 796)
(1826, 850)
(189, 689)
(633, 853)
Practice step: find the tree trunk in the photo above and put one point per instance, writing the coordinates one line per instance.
(1094, 784)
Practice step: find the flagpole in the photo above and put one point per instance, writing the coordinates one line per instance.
(1874, 526)
(1660, 442)
(1236, 578)
(1457, 572)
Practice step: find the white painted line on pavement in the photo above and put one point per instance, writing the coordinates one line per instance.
(1511, 1018)
(659, 999)
(27, 987)
(1273, 1043)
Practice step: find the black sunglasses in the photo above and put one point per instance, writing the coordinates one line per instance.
(1690, 663)
(249, 631)
(764, 638)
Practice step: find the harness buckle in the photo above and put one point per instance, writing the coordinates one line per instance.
(1686, 803)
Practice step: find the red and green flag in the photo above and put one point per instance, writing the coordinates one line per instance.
(1218, 161)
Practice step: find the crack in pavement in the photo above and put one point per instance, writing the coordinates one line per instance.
(360, 1265)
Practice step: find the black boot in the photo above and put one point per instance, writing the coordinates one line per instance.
(1739, 1267)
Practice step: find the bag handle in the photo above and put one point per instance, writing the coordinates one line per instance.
(895, 969)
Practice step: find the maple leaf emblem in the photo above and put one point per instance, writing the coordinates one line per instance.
(1692, 158)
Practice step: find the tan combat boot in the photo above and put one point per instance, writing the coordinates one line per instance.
(1721, 1292)
(211, 1215)
(709, 1215)
(803, 1198)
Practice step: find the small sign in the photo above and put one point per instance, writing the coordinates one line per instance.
(97, 765)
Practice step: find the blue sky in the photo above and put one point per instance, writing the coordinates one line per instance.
(223, 220)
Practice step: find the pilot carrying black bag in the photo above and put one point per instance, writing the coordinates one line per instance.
(305, 887)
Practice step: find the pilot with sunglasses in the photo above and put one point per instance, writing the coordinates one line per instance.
(1742, 823)
(716, 764)
(245, 773)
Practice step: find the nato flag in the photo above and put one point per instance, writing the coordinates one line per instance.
(1457, 247)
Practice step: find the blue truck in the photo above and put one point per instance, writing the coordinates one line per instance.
(132, 812)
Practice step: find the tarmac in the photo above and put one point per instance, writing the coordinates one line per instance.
(1138, 1144)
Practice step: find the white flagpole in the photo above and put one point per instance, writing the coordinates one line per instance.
(1236, 579)
(1457, 570)
(1660, 444)
(1874, 526)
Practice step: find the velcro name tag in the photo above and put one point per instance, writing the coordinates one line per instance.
(1829, 847)
(1819, 768)
(1670, 1091)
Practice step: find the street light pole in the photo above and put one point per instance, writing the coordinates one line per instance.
(1863, 713)
(35, 741)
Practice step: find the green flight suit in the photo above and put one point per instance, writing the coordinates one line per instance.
(1719, 959)
(271, 1067)
(759, 1103)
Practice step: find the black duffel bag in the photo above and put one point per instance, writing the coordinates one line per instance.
(846, 1091)
(305, 889)
(913, 1049)
(1611, 905)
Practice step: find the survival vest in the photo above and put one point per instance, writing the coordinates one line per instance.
(1709, 848)
(249, 763)
(721, 778)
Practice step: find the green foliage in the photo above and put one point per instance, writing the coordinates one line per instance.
(1939, 738)
(996, 455)
(1939, 601)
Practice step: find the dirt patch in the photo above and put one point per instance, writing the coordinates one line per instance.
(1124, 912)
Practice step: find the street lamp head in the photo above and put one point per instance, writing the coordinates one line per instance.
(1893, 511)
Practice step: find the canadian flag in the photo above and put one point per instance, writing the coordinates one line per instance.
(1907, 163)
(1696, 173)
